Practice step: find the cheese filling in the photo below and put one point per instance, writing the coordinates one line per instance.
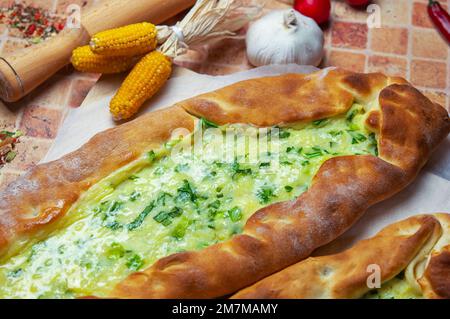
(172, 201)
(396, 288)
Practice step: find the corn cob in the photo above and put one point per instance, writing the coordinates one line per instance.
(134, 39)
(84, 60)
(144, 81)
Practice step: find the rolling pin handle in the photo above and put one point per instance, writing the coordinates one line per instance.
(27, 69)
(11, 85)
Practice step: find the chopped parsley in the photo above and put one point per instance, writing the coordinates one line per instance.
(321, 122)
(134, 196)
(186, 192)
(284, 134)
(165, 217)
(235, 214)
(314, 152)
(357, 137)
(265, 194)
(140, 219)
(151, 156)
(238, 170)
(207, 124)
(134, 262)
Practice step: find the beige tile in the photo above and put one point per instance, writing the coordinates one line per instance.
(30, 151)
(349, 35)
(52, 93)
(350, 61)
(38, 121)
(393, 66)
(427, 43)
(8, 176)
(389, 40)
(429, 74)
(394, 12)
(8, 117)
(343, 11)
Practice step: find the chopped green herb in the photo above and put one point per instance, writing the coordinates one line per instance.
(7, 133)
(134, 262)
(290, 149)
(215, 204)
(115, 252)
(186, 192)
(235, 214)
(116, 205)
(134, 196)
(237, 170)
(141, 217)
(162, 198)
(373, 143)
(133, 177)
(265, 194)
(304, 163)
(357, 137)
(151, 156)
(180, 230)
(181, 168)
(113, 225)
(208, 124)
(321, 122)
(12, 134)
(15, 273)
(288, 188)
(284, 134)
(10, 156)
(264, 164)
(314, 152)
(352, 113)
(165, 218)
(335, 133)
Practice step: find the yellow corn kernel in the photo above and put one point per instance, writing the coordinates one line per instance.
(84, 60)
(134, 39)
(144, 81)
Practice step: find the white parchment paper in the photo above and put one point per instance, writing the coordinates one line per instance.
(429, 193)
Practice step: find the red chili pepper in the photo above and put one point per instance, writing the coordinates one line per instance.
(319, 10)
(59, 26)
(30, 30)
(440, 18)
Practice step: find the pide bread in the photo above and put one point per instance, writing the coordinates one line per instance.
(145, 211)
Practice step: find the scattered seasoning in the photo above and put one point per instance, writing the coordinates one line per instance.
(33, 23)
(8, 141)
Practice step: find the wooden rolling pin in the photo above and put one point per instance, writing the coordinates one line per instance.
(24, 71)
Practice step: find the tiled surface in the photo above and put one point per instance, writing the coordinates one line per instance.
(406, 45)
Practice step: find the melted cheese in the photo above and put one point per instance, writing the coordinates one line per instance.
(396, 288)
(171, 201)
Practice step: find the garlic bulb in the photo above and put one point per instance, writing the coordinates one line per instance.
(285, 36)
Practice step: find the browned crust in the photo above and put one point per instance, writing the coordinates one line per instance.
(45, 193)
(278, 235)
(345, 275)
(435, 282)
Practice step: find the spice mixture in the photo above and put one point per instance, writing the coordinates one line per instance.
(8, 141)
(33, 23)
